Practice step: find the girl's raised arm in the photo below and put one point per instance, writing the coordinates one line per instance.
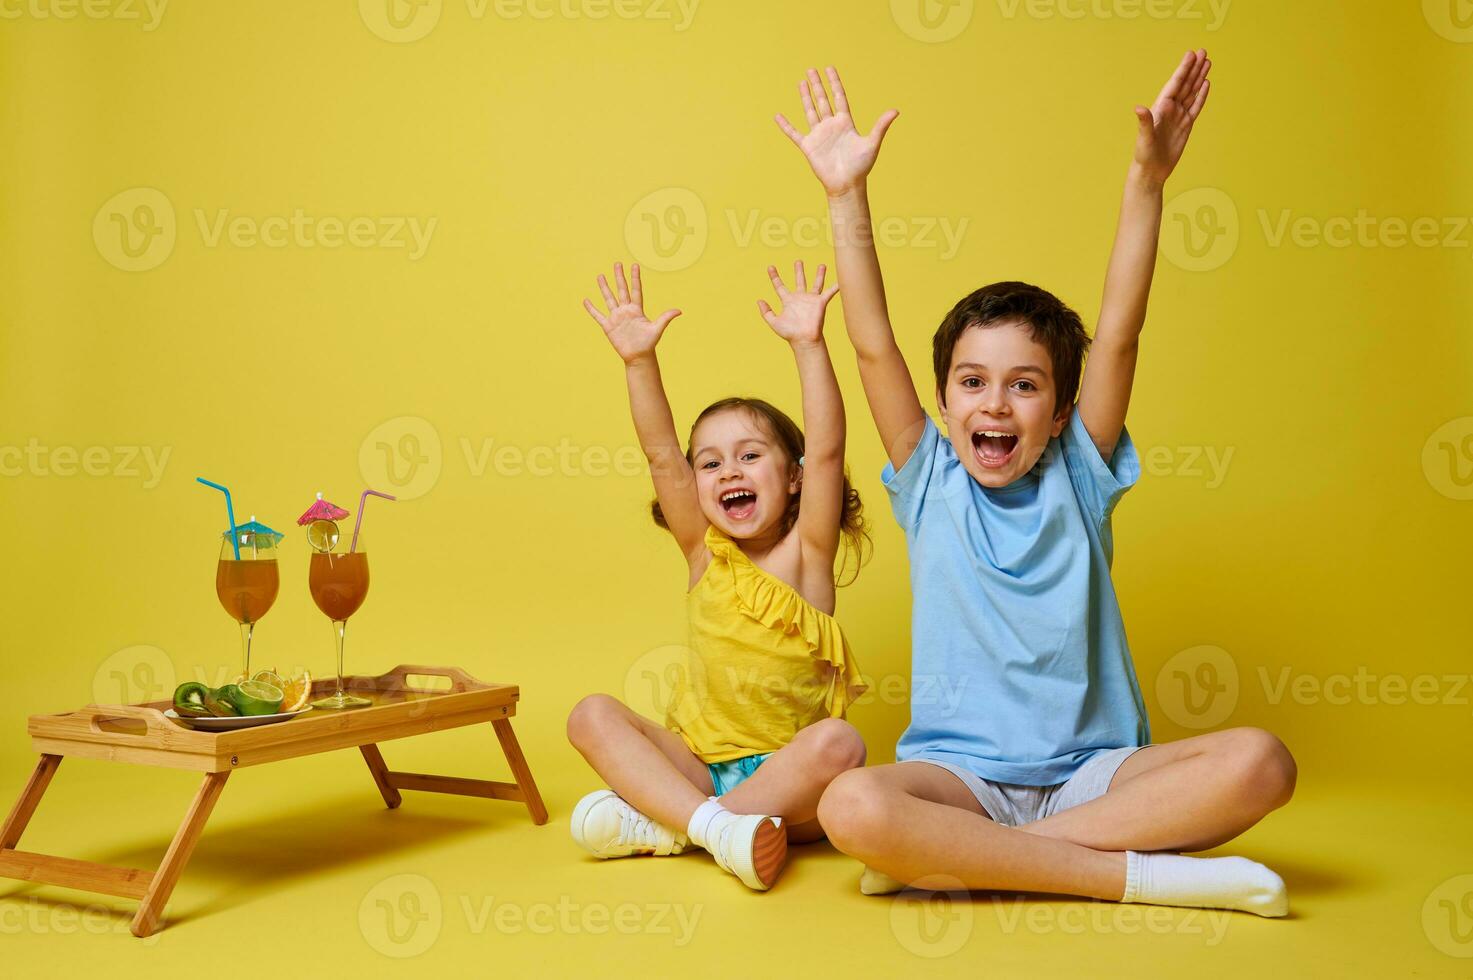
(821, 506)
(634, 338)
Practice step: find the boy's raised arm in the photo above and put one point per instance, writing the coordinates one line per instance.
(842, 158)
(633, 337)
(1104, 393)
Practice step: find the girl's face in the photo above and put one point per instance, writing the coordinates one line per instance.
(999, 403)
(744, 476)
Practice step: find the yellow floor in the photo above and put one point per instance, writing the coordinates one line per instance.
(302, 866)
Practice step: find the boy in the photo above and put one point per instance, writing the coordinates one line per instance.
(1043, 778)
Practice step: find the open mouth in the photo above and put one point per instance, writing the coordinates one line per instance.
(994, 447)
(739, 504)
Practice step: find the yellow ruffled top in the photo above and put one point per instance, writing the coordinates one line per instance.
(764, 662)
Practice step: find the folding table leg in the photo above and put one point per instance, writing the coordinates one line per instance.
(20, 814)
(380, 771)
(520, 769)
(151, 911)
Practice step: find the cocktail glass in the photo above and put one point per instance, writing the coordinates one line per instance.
(339, 584)
(247, 580)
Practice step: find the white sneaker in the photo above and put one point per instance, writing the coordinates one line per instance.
(606, 826)
(750, 846)
(874, 882)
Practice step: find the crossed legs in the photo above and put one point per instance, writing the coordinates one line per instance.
(651, 767)
(920, 824)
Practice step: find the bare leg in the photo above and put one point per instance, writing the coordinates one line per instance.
(919, 824)
(790, 782)
(644, 762)
(1187, 795)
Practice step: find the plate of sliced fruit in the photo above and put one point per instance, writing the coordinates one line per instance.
(264, 698)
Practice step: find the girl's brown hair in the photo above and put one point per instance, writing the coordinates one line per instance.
(852, 525)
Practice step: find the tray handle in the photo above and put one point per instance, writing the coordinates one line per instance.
(459, 679)
(153, 719)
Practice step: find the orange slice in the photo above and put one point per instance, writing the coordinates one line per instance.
(296, 691)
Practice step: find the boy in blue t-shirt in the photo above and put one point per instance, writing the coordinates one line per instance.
(1042, 776)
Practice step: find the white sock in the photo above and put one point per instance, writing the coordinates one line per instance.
(706, 818)
(1204, 883)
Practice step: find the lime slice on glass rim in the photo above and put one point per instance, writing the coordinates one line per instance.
(258, 698)
(322, 535)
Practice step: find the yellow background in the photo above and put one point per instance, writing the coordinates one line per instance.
(1336, 540)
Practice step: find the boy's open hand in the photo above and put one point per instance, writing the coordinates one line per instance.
(628, 329)
(840, 156)
(1165, 126)
(801, 321)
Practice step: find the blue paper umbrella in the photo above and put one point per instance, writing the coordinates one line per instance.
(254, 533)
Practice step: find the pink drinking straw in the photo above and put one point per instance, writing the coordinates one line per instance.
(362, 499)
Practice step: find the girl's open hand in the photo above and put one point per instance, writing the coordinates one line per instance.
(632, 333)
(801, 321)
(841, 157)
(1165, 126)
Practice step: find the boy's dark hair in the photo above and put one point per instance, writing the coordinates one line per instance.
(789, 437)
(1050, 322)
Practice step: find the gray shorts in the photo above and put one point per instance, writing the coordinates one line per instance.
(1011, 804)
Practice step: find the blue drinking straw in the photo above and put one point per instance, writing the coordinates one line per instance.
(229, 512)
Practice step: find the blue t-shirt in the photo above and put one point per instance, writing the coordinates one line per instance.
(1020, 672)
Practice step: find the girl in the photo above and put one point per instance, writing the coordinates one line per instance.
(759, 517)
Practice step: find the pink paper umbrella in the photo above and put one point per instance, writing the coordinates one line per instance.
(322, 510)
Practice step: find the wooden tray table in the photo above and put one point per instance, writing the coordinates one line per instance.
(142, 734)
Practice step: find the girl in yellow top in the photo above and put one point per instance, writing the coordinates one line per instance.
(755, 729)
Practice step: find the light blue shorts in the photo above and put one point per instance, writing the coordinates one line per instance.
(1013, 805)
(727, 776)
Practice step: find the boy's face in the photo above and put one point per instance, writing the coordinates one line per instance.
(999, 402)
(744, 478)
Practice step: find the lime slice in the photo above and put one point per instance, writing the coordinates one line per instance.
(257, 698)
(269, 677)
(322, 535)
